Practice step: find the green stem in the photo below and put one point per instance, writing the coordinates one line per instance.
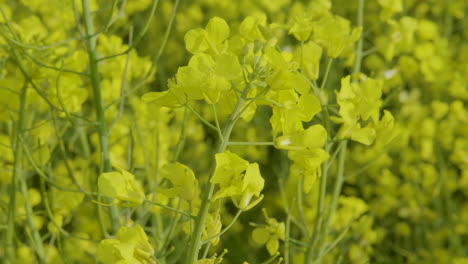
(318, 216)
(360, 22)
(448, 20)
(218, 127)
(170, 208)
(174, 221)
(300, 207)
(167, 33)
(333, 204)
(181, 143)
(231, 143)
(138, 38)
(18, 175)
(10, 234)
(204, 121)
(454, 238)
(287, 234)
(87, 155)
(99, 103)
(270, 260)
(323, 179)
(195, 240)
(327, 71)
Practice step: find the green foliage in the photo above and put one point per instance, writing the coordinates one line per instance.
(151, 131)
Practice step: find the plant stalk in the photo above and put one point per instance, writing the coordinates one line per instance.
(195, 240)
(333, 204)
(10, 233)
(98, 102)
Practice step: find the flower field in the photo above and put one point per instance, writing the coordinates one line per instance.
(234, 132)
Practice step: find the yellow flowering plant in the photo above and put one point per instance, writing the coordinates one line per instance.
(151, 131)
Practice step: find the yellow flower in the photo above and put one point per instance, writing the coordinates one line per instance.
(130, 245)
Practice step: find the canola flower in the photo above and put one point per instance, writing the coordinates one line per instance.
(154, 131)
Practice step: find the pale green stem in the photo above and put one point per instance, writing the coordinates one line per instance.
(204, 121)
(170, 208)
(138, 37)
(360, 21)
(218, 127)
(323, 179)
(43, 174)
(272, 258)
(287, 234)
(320, 231)
(205, 252)
(448, 27)
(167, 33)
(318, 216)
(195, 240)
(327, 72)
(251, 143)
(98, 103)
(300, 207)
(18, 175)
(10, 234)
(181, 142)
(50, 214)
(333, 204)
(174, 222)
(333, 244)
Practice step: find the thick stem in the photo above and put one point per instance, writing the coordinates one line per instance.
(10, 233)
(323, 179)
(98, 101)
(322, 224)
(19, 177)
(333, 204)
(360, 22)
(195, 240)
(319, 216)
